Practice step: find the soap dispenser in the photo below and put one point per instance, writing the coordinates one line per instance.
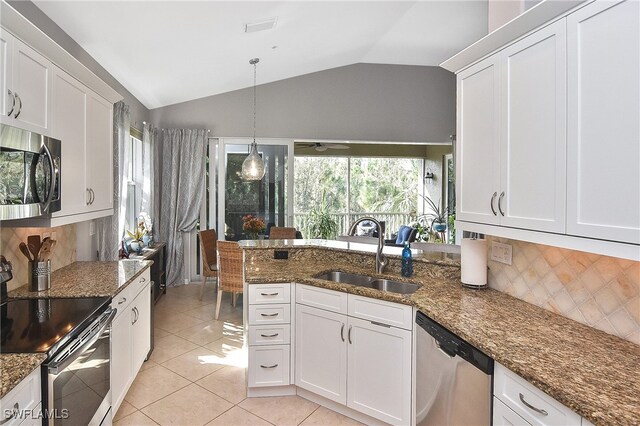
(407, 262)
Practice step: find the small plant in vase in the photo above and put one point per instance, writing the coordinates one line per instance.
(252, 226)
(136, 244)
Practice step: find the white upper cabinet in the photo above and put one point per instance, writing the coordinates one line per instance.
(533, 131)
(82, 120)
(26, 84)
(478, 149)
(604, 125)
(99, 158)
(511, 135)
(69, 101)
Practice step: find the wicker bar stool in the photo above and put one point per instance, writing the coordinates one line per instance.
(282, 233)
(208, 250)
(229, 271)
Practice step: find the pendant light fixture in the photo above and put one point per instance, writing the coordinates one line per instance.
(253, 165)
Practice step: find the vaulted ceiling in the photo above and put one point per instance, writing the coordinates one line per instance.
(165, 52)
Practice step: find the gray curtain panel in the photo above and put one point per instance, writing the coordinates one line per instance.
(183, 179)
(111, 228)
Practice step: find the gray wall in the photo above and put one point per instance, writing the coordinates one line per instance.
(139, 112)
(360, 102)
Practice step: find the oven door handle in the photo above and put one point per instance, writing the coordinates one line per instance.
(58, 365)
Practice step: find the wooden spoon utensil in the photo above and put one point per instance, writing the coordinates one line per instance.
(45, 250)
(34, 244)
(25, 250)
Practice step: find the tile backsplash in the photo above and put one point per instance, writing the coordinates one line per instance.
(599, 291)
(63, 255)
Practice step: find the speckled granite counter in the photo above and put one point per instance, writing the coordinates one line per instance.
(14, 368)
(595, 374)
(89, 279)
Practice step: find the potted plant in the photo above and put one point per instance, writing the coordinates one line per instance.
(320, 222)
(439, 218)
(252, 226)
(136, 244)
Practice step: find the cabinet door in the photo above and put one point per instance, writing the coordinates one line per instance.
(321, 352)
(478, 147)
(31, 85)
(141, 328)
(121, 371)
(603, 51)
(504, 416)
(6, 47)
(99, 146)
(68, 124)
(379, 371)
(533, 110)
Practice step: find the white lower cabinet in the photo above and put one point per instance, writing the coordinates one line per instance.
(364, 364)
(321, 352)
(532, 405)
(379, 371)
(130, 336)
(269, 335)
(505, 416)
(20, 405)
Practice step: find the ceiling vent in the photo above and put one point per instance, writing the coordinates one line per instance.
(261, 25)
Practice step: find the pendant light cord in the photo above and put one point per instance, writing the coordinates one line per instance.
(254, 62)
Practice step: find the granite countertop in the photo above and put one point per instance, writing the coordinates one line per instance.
(595, 374)
(88, 279)
(14, 368)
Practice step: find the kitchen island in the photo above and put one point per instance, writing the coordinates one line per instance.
(593, 373)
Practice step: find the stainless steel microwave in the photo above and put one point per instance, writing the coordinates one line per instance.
(29, 174)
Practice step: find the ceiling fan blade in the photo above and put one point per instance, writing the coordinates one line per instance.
(321, 148)
(336, 146)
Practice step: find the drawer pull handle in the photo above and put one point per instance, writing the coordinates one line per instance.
(270, 335)
(269, 366)
(143, 279)
(349, 336)
(537, 410)
(270, 315)
(268, 294)
(500, 203)
(493, 198)
(124, 299)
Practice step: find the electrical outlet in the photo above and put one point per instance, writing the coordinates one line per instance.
(54, 236)
(501, 252)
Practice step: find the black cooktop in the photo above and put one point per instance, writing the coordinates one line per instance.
(45, 325)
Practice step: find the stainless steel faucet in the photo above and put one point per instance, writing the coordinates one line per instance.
(381, 259)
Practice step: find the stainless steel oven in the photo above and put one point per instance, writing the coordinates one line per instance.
(30, 171)
(78, 384)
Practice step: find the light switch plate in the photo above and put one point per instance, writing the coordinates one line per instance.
(501, 252)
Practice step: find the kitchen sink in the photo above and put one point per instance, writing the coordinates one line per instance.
(370, 282)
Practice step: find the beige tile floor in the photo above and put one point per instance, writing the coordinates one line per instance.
(196, 373)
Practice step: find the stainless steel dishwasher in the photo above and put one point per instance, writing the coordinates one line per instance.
(453, 379)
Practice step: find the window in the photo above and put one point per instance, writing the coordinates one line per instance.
(351, 187)
(136, 179)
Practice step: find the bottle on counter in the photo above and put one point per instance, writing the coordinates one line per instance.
(407, 261)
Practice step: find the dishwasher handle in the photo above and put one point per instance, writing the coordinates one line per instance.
(453, 345)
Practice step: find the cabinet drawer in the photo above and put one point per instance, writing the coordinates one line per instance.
(505, 416)
(269, 365)
(269, 314)
(381, 311)
(530, 402)
(25, 396)
(269, 334)
(329, 300)
(121, 300)
(269, 293)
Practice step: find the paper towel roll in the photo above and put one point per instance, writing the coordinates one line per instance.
(474, 262)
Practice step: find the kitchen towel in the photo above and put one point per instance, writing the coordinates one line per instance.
(474, 262)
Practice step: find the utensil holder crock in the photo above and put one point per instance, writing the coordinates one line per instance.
(39, 275)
